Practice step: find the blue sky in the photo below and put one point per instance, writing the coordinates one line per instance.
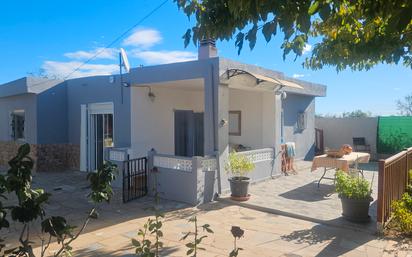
(58, 35)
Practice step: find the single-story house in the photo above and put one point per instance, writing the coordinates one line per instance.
(190, 114)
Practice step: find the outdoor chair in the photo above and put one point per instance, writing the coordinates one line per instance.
(359, 145)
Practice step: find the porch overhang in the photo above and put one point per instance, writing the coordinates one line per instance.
(238, 78)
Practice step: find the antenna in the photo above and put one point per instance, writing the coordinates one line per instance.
(124, 61)
(123, 64)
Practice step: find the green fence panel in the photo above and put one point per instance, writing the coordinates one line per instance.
(394, 134)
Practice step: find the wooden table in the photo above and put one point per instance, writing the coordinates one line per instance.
(343, 163)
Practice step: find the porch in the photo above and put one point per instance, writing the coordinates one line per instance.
(298, 196)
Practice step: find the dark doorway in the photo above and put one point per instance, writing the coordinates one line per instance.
(189, 135)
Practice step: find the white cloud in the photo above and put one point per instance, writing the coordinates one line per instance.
(307, 48)
(162, 57)
(296, 76)
(62, 69)
(143, 38)
(103, 53)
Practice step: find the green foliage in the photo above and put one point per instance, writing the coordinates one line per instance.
(352, 187)
(402, 213)
(194, 246)
(237, 233)
(145, 247)
(101, 182)
(409, 186)
(239, 164)
(30, 201)
(30, 205)
(356, 114)
(57, 227)
(405, 106)
(351, 34)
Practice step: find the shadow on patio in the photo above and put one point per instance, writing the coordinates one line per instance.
(298, 196)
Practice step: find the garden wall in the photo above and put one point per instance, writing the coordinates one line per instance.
(339, 131)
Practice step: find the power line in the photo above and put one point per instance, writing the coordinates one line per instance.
(111, 43)
(117, 39)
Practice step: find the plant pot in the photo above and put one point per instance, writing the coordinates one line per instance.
(239, 186)
(355, 210)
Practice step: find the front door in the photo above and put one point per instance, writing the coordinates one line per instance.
(99, 133)
(101, 138)
(189, 134)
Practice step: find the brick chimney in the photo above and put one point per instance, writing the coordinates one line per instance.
(207, 49)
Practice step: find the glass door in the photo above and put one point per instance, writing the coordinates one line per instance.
(101, 138)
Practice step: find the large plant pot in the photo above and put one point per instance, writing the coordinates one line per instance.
(239, 186)
(355, 210)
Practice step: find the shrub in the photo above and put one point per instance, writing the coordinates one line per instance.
(352, 187)
(239, 165)
(409, 187)
(30, 207)
(402, 213)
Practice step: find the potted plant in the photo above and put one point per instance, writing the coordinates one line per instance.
(355, 194)
(239, 165)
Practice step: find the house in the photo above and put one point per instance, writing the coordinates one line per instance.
(187, 115)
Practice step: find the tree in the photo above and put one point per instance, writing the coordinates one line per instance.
(352, 34)
(29, 207)
(356, 114)
(405, 106)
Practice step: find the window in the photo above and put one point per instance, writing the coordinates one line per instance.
(17, 124)
(301, 123)
(235, 123)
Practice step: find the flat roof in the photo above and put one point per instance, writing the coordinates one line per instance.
(27, 85)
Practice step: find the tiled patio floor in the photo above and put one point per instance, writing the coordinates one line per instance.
(299, 196)
(266, 234)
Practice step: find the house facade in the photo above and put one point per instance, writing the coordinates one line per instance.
(186, 117)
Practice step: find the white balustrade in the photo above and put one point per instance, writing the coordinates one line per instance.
(184, 164)
(260, 155)
(208, 164)
(174, 163)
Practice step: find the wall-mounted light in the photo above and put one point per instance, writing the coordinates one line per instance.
(282, 94)
(151, 95)
(223, 122)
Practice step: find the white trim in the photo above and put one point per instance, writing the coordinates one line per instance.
(83, 137)
(101, 108)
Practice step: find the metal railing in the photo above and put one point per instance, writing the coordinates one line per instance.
(134, 179)
(393, 180)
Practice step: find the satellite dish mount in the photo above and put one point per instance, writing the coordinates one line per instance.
(124, 66)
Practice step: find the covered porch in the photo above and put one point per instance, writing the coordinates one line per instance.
(188, 123)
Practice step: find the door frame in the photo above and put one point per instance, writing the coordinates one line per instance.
(87, 110)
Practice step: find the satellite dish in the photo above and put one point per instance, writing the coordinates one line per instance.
(124, 60)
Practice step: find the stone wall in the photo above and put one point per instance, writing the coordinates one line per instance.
(58, 157)
(47, 157)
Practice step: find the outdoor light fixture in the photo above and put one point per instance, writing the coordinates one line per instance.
(151, 95)
(283, 95)
(223, 122)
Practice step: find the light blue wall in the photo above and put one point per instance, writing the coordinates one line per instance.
(93, 90)
(305, 139)
(52, 126)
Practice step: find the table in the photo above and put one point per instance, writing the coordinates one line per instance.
(343, 163)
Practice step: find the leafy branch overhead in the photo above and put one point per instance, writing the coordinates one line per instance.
(350, 34)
